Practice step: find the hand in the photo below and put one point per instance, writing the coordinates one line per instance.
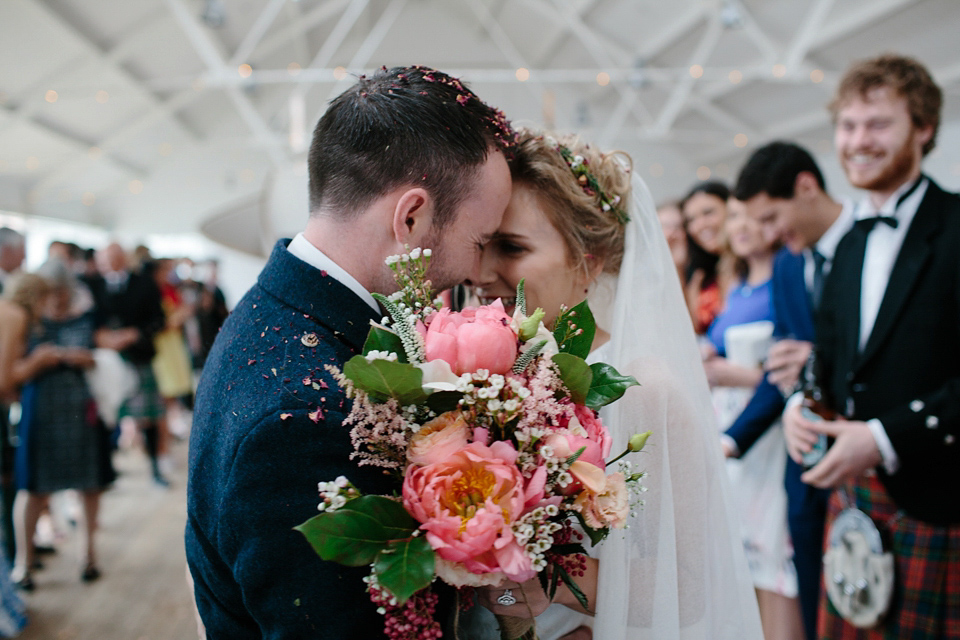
(46, 355)
(77, 357)
(785, 361)
(117, 339)
(531, 599)
(853, 451)
(800, 433)
(723, 373)
(728, 451)
(580, 633)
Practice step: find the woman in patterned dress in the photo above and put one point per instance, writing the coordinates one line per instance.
(63, 443)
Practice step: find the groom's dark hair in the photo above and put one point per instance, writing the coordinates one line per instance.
(402, 126)
(773, 170)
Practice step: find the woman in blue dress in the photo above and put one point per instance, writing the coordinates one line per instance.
(737, 344)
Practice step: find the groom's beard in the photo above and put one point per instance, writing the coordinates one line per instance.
(441, 276)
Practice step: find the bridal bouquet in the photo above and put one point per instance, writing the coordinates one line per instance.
(490, 423)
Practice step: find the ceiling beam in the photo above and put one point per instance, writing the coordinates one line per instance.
(804, 38)
(768, 50)
(81, 159)
(367, 48)
(333, 42)
(868, 13)
(502, 41)
(256, 32)
(676, 101)
(209, 53)
(299, 28)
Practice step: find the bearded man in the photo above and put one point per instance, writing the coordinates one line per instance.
(888, 331)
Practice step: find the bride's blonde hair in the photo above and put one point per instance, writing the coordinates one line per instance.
(577, 213)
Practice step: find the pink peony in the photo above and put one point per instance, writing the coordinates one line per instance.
(475, 338)
(608, 507)
(467, 502)
(438, 439)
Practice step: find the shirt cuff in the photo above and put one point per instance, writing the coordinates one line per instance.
(890, 460)
(731, 444)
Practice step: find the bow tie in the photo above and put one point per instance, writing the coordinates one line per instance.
(867, 224)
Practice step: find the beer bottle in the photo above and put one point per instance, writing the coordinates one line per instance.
(815, 406)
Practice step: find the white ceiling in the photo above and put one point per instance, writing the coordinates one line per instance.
(155, 126)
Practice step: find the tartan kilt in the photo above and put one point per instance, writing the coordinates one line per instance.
(146, 403)
(926, 593)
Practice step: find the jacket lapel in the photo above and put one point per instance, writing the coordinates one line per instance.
(318, 296)
(910, 262)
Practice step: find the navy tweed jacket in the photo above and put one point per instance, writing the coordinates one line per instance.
(256, 457)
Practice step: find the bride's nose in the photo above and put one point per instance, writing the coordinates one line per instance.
(483, 273)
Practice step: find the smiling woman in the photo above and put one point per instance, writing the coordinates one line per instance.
(704, 211)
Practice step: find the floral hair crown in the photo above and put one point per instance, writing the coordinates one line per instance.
(588, 182)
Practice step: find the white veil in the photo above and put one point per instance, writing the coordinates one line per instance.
(679, 570)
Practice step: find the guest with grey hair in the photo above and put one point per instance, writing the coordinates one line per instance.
(12, 253)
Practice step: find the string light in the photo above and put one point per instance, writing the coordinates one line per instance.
(340, 73)
(779, 71)
(816, 75)
(245, 70)
(735, 77)
(696, 71)
(101, 96)
(703, 173)
(740, 140)
(51, 96)
(603, 78)
(523, 74)
(293, 69)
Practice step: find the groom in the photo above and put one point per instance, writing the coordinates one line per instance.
(407, 157)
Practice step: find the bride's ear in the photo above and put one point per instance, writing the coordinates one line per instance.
(592, 268)
(412, 217)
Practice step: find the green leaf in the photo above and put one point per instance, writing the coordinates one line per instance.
(574, 588)
(607, 385)
(405, 567)
(576, 455)
(554, 582)
(390, 514)
(443, 401)
(596, 535)
(521, 302)
(575, 374)
(386, 379)
(348, 537)
(382, 339)
(574, 330)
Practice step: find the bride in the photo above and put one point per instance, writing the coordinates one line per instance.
(579, 226)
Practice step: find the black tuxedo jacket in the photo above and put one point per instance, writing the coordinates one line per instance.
(908, 374)
(137, 305)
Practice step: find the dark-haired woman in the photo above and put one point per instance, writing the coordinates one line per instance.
(704, 212)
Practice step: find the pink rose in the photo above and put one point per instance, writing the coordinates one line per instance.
(467, 503)
(439, 439)
(472, 339)
(608, 507)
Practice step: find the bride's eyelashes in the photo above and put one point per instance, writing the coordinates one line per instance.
(509, 248)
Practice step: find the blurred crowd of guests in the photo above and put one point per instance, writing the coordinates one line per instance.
(91, 340)
(830, 338)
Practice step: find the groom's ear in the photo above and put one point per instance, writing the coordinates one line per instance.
(412, 216)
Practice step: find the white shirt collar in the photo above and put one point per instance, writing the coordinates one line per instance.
(905, 211)
(303, 249)
(827, 244)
